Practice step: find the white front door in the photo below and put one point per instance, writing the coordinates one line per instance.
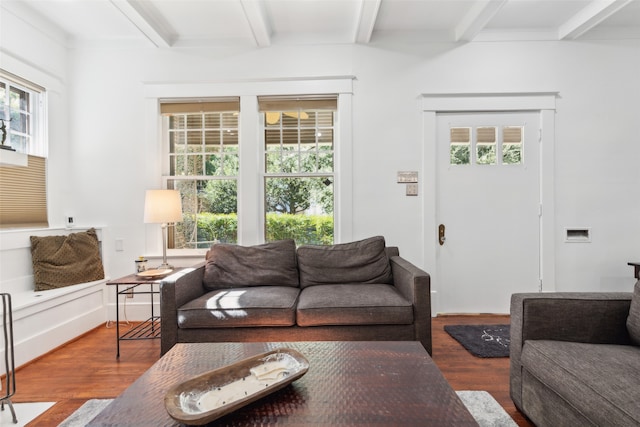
(488, 209)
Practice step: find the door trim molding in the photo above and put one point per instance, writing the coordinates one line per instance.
(482, 102)
(542, 102)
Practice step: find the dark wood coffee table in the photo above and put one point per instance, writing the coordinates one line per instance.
(348, 383)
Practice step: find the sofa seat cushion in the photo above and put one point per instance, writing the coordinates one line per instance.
(241, 307)
(601, 381)
(353, 304)
(364, 261)
(269, 264)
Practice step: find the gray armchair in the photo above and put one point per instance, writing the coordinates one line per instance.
(572, 359)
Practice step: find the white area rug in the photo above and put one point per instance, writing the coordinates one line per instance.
(85, 413)
(25, 412)
(484, 408)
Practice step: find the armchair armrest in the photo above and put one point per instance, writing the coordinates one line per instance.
(415, 285)
(590, 317)
(175, 291)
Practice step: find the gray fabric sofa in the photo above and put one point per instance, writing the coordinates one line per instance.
(276, 292)
(575, 358)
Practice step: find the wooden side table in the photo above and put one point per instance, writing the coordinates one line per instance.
(130, 285)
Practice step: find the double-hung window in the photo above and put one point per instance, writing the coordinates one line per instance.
(203, 165)
(299, 167)
(290, 149)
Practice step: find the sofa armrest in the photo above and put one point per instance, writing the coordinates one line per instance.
(175, 291)
(590, 317)
(415, 285)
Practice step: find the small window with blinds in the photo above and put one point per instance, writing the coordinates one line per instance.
(512, 145)
(23, 188)
(204, 162)
(299, 138)
(486, 142)
(460, 145)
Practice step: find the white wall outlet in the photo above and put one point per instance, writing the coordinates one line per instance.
(412, 189)
(69, 221)
(119, 245)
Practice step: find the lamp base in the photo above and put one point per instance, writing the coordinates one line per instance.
(165, 266)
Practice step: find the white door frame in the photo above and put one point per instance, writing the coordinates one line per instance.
(542, 102)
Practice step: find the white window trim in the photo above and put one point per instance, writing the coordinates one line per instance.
(251, 228)
(38, 145)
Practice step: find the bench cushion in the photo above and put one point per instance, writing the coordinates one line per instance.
(66, 260)
(599, 380)
(372, 304)
(241, 307)
(364, 261)
(269, 264)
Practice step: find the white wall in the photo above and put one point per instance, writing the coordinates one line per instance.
(597, 151)
(107, 166)
(34, 50)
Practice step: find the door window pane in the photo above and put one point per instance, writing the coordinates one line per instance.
(512, 145)
(486, 145)
(460, 145)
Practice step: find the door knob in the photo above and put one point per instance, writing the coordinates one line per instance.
(441, 236)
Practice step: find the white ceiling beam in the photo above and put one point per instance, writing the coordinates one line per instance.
(366, 20)
(590, 16)
(144, 22)
(476, 19)
(256, 14)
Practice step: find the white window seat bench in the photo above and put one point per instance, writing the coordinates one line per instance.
(47, 319)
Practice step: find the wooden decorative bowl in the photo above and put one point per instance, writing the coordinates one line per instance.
(214, 394)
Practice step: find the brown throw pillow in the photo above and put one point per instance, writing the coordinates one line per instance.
(633, 321)
(364, 261)
(60, 261)
(269, 264)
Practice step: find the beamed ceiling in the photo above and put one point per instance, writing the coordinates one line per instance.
(262, 23)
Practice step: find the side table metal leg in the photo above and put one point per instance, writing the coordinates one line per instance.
(153, 320)
(117, 323)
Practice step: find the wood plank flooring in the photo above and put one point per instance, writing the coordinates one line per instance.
(87, 368)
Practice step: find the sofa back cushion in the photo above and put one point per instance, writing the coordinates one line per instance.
(269, 264)
(633, 321)
(364, 261)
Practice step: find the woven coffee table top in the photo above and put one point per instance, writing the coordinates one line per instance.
(348, 383)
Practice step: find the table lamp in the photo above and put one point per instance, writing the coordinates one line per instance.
(163, 207)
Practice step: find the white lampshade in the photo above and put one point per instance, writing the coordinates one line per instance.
(162, 206)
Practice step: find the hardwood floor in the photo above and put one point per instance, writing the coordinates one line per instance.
(87, 369)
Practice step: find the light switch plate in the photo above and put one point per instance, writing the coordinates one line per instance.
(407, 176)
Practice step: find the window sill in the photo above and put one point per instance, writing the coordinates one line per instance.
(13, 158)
